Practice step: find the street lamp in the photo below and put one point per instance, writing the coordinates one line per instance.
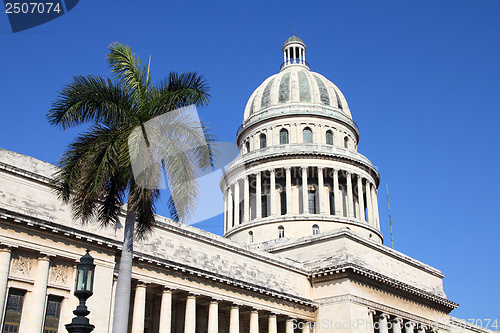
(83, 290)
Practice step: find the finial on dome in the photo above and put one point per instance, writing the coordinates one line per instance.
(293, 27)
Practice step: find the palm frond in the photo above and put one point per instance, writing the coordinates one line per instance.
(89, 99)
(128, 70)
(91, 174)
(180, 91)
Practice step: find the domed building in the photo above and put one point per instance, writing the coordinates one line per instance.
(302, 250)
(299, 172)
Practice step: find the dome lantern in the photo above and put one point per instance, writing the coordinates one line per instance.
(294, 52)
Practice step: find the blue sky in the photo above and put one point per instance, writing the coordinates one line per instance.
(421, 79)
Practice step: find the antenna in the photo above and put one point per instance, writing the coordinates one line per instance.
(390, 221)
(293, 27)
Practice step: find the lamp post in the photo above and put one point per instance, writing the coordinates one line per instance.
(83, 290)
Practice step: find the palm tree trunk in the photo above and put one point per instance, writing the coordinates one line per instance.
(123, 285)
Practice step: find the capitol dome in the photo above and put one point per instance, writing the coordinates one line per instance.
(298, 171)
(296, 90)
(296, 84)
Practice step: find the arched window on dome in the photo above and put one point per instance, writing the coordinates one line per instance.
(250, 236)
(284, 137)
(315, 229)
(307, 135)
(247, 146)
(263, 141)
(281, 232)
(329, 137)
(346, 142)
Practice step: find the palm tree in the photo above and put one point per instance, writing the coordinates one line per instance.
(96, 173)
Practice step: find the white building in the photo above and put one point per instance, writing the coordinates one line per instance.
(302, 248)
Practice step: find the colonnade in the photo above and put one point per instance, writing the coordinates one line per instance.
(191, 317)
(385, 323)
(33, 321)
(323, 191)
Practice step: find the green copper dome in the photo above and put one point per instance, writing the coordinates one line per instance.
(294, 39)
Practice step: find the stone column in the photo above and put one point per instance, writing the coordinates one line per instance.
(234, 319)
(190, 317)
(306, 327)
(5, 256)
(336, 194)
(272, 323)
(237, 203)
(361, 212)
(272, 191)
(397, 325)
(254, 321)
(421, 328)
(305, 201)
(350, 201)
(230, 205)
(369, 214)
(246, 200)
(321, 190)
(288, 191)
(112, 305)
(166, 311)
(258, 195)
(382, 323)
(289, 325)
(375, 208)
(213, 317)
(225, 211)
(139, 308)
(34, 320)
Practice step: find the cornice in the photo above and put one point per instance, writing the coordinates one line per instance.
(351, 268)
(279, 152)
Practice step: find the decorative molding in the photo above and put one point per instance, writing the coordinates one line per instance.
(21, 266)
(59, 274)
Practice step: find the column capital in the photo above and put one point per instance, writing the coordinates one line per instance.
(287, 168)
(44, 256)
(304, 168)
(167, 289)
(5, 248)
(383, 316)
(142, 283)
(192, 295)
(215, 300)
(254, 311)
(397, 320)
(235, 306)
(359, 177)
(272, 171)
(347, 173)
(320, 167)
(258, 173)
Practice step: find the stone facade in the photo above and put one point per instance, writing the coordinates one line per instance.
(324, 270)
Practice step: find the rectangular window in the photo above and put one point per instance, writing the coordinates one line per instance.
(264, 206)
(52, 313)
(13, 311)
(283, 203)
(311, 202)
